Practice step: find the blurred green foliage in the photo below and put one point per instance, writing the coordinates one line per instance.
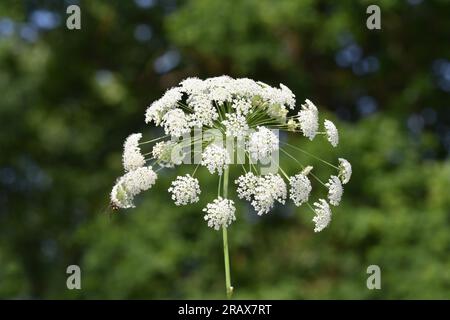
(71, 97)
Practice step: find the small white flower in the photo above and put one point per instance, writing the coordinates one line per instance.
(246, 88)
(215, 158)
(300, 188)
(132, 157)
(235, 125)
(247, 184)
(270, 188)
(332, 133)
(287, 96)
(139, 180)
(175, 123)
(185, 190)
(219, 89)
(275, 96)
(308, 118)
(220, 213)
(160, 107)
(323, 215)
(262, 143)
(130, 185)
(205, 113)
(192, 85)
(168, 153)
(345, 170)
(242, 106)
(262, 191)
(335, 190)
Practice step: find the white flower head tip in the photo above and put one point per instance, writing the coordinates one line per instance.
(160, 107)
(242, 106)
(335, 190)
(139, 180)
(132, 157)
(192, 85)
(236, 125)
(247, 184)
(300, 188)
(288, 96)
(130, 185)
(220, 213)
(262, 143)
(205, 113)
(323, 215)
(270, 188)
(308, 118)
(185, 190)
(175, 123)
(345, 170)
(215, 158)
(332, 133)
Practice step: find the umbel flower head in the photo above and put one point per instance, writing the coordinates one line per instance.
(300, 187)
(132, 157)
(185, 189)
(131, 184)
(220, 213)
(227, 125)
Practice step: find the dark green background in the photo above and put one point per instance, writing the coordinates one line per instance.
(69, 99)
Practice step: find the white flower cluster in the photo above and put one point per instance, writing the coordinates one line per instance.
(175, 123)
(308, 118)
(185, 190)
(281, 96)
(132, 157)
(220, 213)
(247, 184)
(262, 143)
(197, 102)
(245, 111)
(204, 111)
(300, 188)
(265, 190)
(242, 106)
(160, 107)
(262, 191)
(270, 188)
(345, 170)
(131, 184)
(332, 133)
(335, 190)
(215, 158)
(323, 215)
(236, 125)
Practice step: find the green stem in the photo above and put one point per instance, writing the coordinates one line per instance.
(229, 288)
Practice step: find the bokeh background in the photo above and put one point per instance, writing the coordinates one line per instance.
(70, 98)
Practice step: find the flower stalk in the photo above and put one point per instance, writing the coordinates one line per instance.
(228, 287)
